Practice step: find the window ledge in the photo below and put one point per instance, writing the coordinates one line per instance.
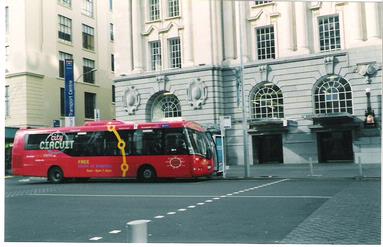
(89, 50)
(65, 42)
(172, 18)
(154, 21)
(88, 84)
(62, 5)
(262, 5)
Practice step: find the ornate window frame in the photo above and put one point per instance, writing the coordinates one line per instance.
(166, 105)
(332, 94)
(266, 101)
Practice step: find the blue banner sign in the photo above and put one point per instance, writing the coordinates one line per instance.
(69, 89)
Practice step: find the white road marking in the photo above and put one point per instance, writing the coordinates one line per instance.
(291, 197)
(95, 238)
(178, 196)
(25, 180)
(119, 195)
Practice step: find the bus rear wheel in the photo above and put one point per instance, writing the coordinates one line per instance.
(147, 173)
(55, 175)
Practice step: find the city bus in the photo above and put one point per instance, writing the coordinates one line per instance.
(115, 149)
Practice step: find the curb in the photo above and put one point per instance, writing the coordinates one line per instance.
(300, 178)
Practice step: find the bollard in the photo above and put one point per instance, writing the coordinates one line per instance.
(137, 231)
(360, 167)
(311, 166)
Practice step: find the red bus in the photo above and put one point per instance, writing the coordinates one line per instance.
(115, 149)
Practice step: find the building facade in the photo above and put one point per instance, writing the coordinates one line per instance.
(39, 36)
(310, 72)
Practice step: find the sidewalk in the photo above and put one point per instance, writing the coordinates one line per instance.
(351, 216)
(322, 170)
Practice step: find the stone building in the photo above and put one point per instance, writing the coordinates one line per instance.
(310, 71)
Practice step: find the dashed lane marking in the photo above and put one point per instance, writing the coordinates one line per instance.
(288, 197)
(95, 238)
(191, 206)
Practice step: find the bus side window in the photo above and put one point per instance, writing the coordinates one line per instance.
(110, 144)
(127, 137)
(153, 142)
(137, 142)
(32, 142)
(175, 142)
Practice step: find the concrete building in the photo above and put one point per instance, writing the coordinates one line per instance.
(40, 34)
(311, 73)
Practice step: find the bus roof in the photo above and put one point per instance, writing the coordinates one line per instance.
(103, 126)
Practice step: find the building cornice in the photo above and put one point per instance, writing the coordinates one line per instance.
(10, 75)
(200, 68)
(151, 74)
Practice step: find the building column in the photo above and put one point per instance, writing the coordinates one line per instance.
(228, 31)
(241, 30)
(188, 34)
(372, 20)
(355, 18)
(285, 29)
(123, 41)
(301, 27)
(137, 39)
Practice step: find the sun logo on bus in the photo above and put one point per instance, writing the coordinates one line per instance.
(175, 162)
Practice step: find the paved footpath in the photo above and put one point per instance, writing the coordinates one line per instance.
(351, 217)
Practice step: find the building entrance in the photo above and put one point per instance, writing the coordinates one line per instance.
(335, 146)
(268, 149)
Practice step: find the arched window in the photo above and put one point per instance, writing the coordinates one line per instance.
(267, 102)
(166, 106)
(333, 94)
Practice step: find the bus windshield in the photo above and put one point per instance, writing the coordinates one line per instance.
(200, 143)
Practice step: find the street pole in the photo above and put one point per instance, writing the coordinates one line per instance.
(244, 121)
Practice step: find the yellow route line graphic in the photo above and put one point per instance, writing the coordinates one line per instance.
(121, 145)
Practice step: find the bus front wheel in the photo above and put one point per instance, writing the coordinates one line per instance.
(55, 175)
(147, 173)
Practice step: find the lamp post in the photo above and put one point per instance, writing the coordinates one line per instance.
(244, 119)
(369, 113)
